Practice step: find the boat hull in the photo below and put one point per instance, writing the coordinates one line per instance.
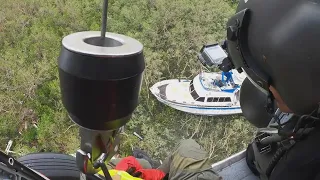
(206, 111)
(159, 90)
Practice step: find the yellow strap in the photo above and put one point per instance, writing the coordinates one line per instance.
(124, 175)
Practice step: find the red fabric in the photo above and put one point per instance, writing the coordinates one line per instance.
(151, 174)
(147, 174)
(127, 163)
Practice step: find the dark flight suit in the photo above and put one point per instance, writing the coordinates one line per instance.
(300, 161)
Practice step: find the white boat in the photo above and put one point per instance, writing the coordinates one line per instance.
(207, 94)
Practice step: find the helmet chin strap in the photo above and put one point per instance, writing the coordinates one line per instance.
(270, 108)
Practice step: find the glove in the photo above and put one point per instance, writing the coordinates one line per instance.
(132, 166)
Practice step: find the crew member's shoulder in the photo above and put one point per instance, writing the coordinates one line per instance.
(302, 161)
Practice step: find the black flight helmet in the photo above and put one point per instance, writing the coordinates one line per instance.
(276, 43)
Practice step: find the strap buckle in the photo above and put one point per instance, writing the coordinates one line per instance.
(288, 143)
(263, 148)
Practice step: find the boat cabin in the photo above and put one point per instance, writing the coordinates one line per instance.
(212, 95)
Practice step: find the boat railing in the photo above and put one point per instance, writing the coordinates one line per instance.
(207, 85)
(210, 84)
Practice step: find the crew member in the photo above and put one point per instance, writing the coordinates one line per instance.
(275, 43)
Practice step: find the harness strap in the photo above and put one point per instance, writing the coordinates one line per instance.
(285, 146)
(289, 143)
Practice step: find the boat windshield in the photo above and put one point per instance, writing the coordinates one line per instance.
(194, 94)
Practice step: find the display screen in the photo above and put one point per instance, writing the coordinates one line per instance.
(215, 53)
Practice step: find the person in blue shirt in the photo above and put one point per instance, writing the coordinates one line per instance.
(228, 76)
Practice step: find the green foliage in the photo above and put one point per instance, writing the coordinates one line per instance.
(172, 33)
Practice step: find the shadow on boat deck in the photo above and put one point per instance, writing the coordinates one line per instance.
(162, 89)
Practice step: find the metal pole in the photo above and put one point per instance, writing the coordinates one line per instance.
(104, 19)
